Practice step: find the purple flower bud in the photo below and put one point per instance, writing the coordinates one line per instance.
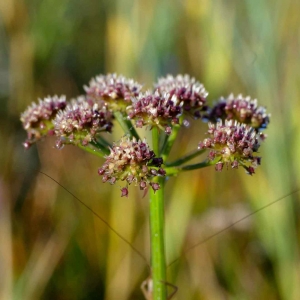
(161, 172)
(124, 192)
(143, 185)
(153, 172)
(219, 166)
(155, 186)
(101, 171)
(168, 130)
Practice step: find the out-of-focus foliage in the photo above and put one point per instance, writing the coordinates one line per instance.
(51, 247)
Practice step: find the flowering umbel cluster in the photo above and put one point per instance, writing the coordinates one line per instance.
(116, 91)
(37, 118)
(242, 109)
(232, 144)
(184, 91)
(155, 110)
(80, 122)
(132, 161)
(234, 129)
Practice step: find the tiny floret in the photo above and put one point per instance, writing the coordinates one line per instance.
(156, 109)
(242, 109)
(37, 118)
(189, 93)
(232, 144)
(131, 161)
(80, 123)
(116, 91)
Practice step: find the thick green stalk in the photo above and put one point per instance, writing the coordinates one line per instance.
(126, 125)
(158, 260)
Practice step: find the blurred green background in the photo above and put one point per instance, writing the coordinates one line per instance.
(51, 247)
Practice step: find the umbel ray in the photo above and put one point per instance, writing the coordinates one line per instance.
(146, 285)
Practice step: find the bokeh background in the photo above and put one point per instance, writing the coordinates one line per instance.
(51, 247)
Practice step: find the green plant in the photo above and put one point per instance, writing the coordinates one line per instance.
(233, 137)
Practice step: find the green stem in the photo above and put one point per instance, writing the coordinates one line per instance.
(99, 146)
(155, 141)
(185, 158)
(169, 141)
(173, 171)
(102, 141)
(93, 151)
(158, 260)
(200, 165)
(126, 125)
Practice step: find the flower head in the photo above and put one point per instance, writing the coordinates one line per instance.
(232, 144)
(155, 110)
(37, 118)
(133, 161)
(188, 92)
(116, 91)
(80, 122)
(244, 110)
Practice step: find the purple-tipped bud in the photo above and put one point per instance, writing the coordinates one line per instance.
(101, 171)
(184, 90)
(116, 91)
(232, 144)
(131, 160)
(81, 123)
(37, 118)
(161, 172)
(219, 166)
(155, 110)
(242, 109)
(124, 192)
(155, 186)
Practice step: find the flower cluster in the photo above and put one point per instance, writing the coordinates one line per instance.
(155, 110)
(188, 92)
(232, 144)
(37, 118)
(116, 91)
(242, 109)
(236, 125)
(80, 122)
(134, 162)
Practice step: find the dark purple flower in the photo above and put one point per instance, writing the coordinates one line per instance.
(37, 118)
(116, 91)
(131, 161)
(155, 110)
(242, 109)
(232, 144)
(80, 122)
(188, 92)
